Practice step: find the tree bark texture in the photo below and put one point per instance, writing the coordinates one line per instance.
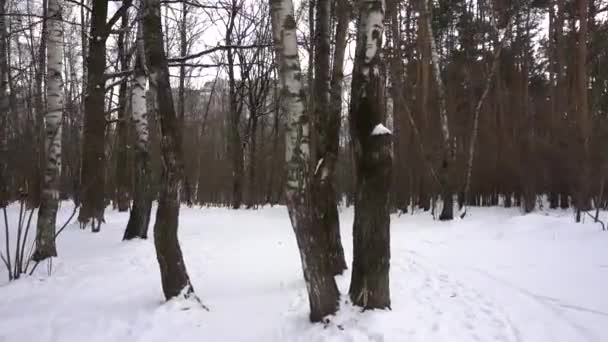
(4, 106)
(327, 124)
(312, 242)
(173, 272)
(47, 214)
(93, 146)
(447, 213)
(235, 145)
(122, 170)
(139, 218)
(369, 286)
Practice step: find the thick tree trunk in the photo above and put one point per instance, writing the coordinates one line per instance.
(139, 218)
(93, 146)
(371, 141)
(122, 170)
(327, 123)
(312, 242)
(173, 272)
(47, 214)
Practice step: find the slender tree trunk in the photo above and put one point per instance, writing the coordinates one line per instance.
(93, 146)
(173, 272)
(139, 217)
(529, 158)
(4, 107)
(253, 127)
(122, 170)
(312, 242)
(371, 141)
(270, 198)
(396, 93)
(480, 102)
(234, 143)
(582, 200)
(327, 122)
(39, 164)
(47, 214)
(447, 152)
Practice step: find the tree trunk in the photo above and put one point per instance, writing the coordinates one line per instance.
(173, 272)
(35, 186)
(327, 122)
(139, 218)
(253, 127)
(122, 174)
(4, 107)
(93, 152)
(371, 141)
(234, 143)
(47, 214)
(312, 242)
(582, 198)
(447, 154)
(475, 128)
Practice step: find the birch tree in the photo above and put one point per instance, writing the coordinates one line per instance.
(371, 141)
(123, 191)
(49, 203)
(173, 272)
(447, 152)
(475, 129)
(322, 291)
(139, 217)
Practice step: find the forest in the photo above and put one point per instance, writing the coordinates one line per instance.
(137, 110)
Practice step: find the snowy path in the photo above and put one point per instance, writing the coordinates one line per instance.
(495, 276)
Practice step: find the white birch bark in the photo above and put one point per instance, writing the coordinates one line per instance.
(311, 238)
(443, 113)
(475, 130)
(139, 217)
(138, 100)
(45, 237)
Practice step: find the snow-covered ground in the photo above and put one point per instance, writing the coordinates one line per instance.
(494, 276)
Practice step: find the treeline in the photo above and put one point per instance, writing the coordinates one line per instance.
(510, 70)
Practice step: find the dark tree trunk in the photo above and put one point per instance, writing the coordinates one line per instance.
(93, 146)
(369, 286)
(252, 193)
(173, 272)
(553, 200)
(34, 189)
(235, 146)
(4, 108)
(327, 122)
(563, 200)
(582, 194)
(122, 170)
